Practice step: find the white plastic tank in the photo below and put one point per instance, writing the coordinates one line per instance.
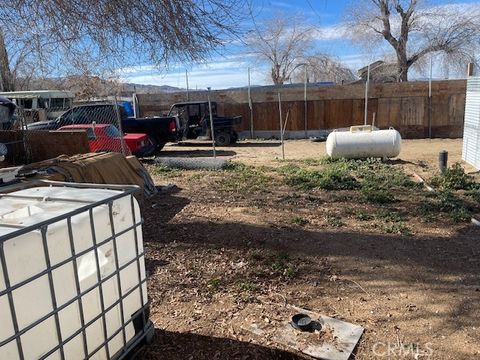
(72, 273)
(364, 142)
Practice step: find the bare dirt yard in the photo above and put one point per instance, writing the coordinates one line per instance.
(361, 241)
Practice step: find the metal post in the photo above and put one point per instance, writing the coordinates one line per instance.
(119, 123)
(136, 113)
(250, 105)
(430, 99)
(373, 119)
(212, 132)
(186, 80)
(305, 101)
(281, 124)
(443, 161)
(366, 95)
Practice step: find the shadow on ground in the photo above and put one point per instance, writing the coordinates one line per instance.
(381, 263)
(240, 144)
(175, 345)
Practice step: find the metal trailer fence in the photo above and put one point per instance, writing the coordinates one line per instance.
(30, 137)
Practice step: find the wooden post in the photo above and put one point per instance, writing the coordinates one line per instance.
(212, 132)
(366, 95)
(281, 124)
(250, 105)
(305, 101)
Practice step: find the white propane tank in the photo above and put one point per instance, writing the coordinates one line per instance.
(364, 142)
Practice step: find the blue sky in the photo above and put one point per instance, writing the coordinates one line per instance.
(230, 68)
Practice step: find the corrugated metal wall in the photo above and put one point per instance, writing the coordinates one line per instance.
(471, 132)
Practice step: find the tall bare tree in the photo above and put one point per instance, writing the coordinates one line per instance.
(283, 43)
(320, 67)
(414, 31)
(57, 36)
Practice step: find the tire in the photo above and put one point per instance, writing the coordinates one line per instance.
(234, 138)
(222, 139)
(158, 145)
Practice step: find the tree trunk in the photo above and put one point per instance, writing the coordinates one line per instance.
(402, 66)
(6, 79)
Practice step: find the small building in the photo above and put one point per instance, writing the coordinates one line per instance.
(380, 71)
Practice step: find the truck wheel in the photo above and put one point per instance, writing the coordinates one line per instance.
(234, 138)
(222, 139)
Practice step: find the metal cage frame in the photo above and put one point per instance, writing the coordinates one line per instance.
(143, 326)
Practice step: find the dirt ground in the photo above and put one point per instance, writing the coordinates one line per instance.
(267, 151)
(228, 249)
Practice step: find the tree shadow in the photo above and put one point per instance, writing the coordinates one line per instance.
(446, 254)
(175, 345)
(380, 263)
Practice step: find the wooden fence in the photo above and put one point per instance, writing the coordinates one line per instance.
(25, 146)
(404, 106)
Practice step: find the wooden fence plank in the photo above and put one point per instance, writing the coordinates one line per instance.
(401, 105)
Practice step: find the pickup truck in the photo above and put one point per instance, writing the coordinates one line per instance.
(194, 121)
(106, 137)
(160, 129)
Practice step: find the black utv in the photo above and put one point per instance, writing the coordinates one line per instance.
(194, 118)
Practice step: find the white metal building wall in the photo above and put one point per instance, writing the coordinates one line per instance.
(471, 132)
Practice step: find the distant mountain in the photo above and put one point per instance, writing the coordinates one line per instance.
(88, 86)
(140, 88)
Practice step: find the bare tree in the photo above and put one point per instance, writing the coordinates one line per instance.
(321, 67)
(414, 31)
(283, 43)
(57, 36)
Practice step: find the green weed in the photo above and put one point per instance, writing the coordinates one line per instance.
(331, 178)
(247, 286)
(214, 283)
(454, 178)
(243, 177)
(396, 228)
(474, 194)
(444, 202)
(377, 195)
(165, 171)
(388, 215)
(333, 219)
(363, 216)
(298, 220)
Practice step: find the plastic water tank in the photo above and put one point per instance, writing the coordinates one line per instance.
(72, 273)
(364, 142)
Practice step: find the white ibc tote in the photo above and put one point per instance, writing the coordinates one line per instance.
(364, 141)
(72, 273)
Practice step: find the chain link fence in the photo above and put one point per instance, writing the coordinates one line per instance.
(35, 134)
